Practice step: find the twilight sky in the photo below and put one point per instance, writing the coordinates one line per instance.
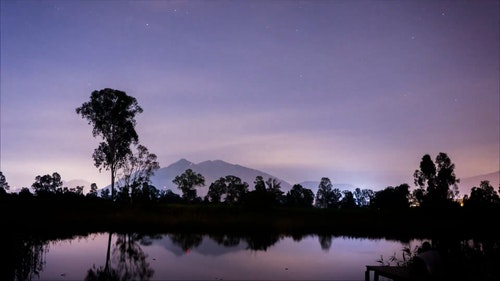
(357, 91)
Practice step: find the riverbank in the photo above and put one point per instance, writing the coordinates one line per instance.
(42, 217)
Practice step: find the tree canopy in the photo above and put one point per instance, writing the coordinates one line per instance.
(187, 182)
(437, 181)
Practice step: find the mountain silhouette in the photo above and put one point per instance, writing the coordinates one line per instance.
(211, 170)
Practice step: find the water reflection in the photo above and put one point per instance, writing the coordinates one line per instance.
(325, 241)
(132, 256)
(23, 257)
(128, 257)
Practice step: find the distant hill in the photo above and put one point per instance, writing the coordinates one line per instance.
(466, 184)
(75, 183)
(211, 170)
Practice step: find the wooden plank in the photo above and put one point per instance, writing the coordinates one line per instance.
(397, 273)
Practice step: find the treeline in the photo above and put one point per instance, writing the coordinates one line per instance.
(232, 191)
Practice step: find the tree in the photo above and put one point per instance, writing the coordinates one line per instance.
(363, 197)
(436, 180)
(274, 189)
(348, 200)
(324, 194)
(3, 182)
(483, 196)
(259, 184)
(137, 171)
(216, 190)
(112, 115)
(48, 184)
(262, 197)
(392, 197)
(299, 196)
(187, 182)
(236, 189)
(93, 191)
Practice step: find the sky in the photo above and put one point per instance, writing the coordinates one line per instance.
(357, 91)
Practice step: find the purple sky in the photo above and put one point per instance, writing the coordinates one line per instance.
(357, 91)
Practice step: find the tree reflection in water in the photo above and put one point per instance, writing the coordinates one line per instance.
(186, 241)
(226, 240)
(325, 241)
(261, 241)
(128, 257)
(23, 258)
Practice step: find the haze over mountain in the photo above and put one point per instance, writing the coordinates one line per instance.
(466, 184)
(211, 170)
(214, 169)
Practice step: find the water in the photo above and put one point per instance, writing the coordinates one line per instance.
(203, 257)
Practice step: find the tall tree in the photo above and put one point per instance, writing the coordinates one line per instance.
(324, 193)
(436, 180)
(187, 182)
(112, 115)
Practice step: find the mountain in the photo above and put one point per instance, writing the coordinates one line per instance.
(466, 184)
(211, 170)
(79, 182)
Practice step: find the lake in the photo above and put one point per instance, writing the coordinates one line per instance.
(207, 257)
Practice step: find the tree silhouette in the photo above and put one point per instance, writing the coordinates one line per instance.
(299, 196)
(348, 200)
(324, 195)
(137, 171)
(236, 189)
(483, 196)
(187, 182)
(112, 114)
(3, 182)
(216, 190)
(437, 181)
(48, 184)
(392, 197)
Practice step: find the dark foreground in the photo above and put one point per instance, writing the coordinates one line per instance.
(468, 240)
(86, 217)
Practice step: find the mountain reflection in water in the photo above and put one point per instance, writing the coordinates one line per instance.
(174, 256)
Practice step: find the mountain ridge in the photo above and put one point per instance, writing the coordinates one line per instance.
(214, 169)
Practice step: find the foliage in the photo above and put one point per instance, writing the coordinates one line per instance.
(111, 113)
(3, 182)
(137, 171)
(187, 182)
(48, 184)
(265, 194)
(436, 180)
(392, 197)
(407, 255)
(299, 196)
(348, 200)
(324, 196)
(483, 196)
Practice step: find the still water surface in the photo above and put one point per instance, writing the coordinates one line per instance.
(202, 257)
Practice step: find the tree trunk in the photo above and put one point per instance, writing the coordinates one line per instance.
(107, 266)
(112, 183)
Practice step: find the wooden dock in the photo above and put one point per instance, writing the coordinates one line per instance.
(396, 273)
